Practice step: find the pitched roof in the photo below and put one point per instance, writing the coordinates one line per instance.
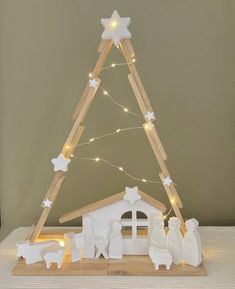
(107, 201)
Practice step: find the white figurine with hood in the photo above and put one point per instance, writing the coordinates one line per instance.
(175, 240)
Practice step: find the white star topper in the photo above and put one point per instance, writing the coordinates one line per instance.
(47, 203)
(60, 163)
(167, 181)
(132, 195)
(116, 28)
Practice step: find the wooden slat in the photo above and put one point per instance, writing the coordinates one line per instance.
(128, 266)
(105, 46)
(174, 204)
(82, 109)
(138, 95)
(156, 150)
(51, 195)
(130, 48)
(107, 201)
(72, 141)
(102, 45)
(94, 206)
(127, 55)
(81, 101)
(152, 201)
(158, 142)
(144, 111)
(30, 232)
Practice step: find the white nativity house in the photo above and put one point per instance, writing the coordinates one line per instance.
(133, 208)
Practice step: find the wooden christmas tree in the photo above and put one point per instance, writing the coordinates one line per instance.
(102, 232)
(115, 33)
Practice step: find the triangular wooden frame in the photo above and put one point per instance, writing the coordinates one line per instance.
(77, 130)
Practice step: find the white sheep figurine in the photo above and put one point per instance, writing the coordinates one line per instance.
(54, 256)
(32, 252)
(160, 257)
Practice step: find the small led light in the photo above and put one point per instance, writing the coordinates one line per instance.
(90, 74)
(113, 65)
(72, 155)
(172, 201)
(164, 217)
(125, 109)
(91, 140)
(120, 169)
(105, 92)
(144, 181)
(148, 125)
(118, 130)
(67, 147)
(133, 60)
(114, 24)
(97, 159)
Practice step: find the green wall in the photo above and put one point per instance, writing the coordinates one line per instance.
(185, 54)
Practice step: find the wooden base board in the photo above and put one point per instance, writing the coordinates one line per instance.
(128, 266)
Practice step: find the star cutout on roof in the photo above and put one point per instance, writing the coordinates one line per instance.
(167, 181)
(150, 116)
(116, 28)
(93, 83)
(46, 203)
(60, 163)
(132, 195)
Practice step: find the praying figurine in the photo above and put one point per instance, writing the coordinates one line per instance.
(175, 240)
(192, 244)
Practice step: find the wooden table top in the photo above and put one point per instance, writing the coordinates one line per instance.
(219, 260)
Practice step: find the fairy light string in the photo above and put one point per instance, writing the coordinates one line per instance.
(147, 125)
(125, 109)
(117, 131)
(120, 168)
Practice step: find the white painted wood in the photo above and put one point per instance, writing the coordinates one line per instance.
(32, 253)
(218, 258)
(116, 28)
(132, 195)
(101, 244)
(54, 256)
(89, 237)
(160, 257)
(102, 219)
(115, 241)
(158, 234)
(175, 240)
(192, 244)
(74, 244)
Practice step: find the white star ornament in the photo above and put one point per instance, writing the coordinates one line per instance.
(150, 116)
(167, 181)
(47, 203)
(132, 195)
(60, 163)
(116, 28)
(93, 83)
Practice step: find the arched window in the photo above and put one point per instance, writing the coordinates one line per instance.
(134, 224)
(142, 225)
(126, 221)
